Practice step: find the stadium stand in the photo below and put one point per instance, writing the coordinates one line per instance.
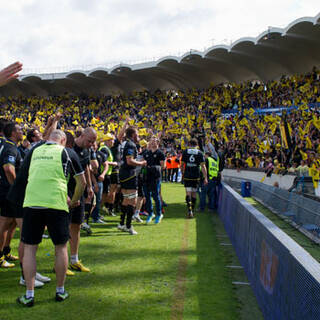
(273, 126)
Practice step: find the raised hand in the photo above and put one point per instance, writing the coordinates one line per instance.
(9, 73)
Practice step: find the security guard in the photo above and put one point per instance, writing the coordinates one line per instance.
(213, 173)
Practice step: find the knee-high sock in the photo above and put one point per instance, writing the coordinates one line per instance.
(130, 213)
(87, 209)
(123, 215)
(194, 200)
(188, 201)
(6, 250)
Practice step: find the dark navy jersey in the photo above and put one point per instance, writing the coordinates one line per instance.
(129, 150)
(101, 158)
(84, 156)
(116, 151)
(10, 155)
(192, 158)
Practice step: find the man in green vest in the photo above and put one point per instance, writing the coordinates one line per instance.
(46, 170)
(213, 173)
(210, 190)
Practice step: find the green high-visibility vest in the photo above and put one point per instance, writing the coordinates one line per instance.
(213, 167)
(47, 184)
(109, 159)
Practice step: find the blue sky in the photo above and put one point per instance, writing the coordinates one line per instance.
(46, 35)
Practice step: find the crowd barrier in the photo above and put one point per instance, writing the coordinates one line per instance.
(285, 182)
(284, 277)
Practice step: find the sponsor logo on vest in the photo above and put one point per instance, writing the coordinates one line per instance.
(42, 158)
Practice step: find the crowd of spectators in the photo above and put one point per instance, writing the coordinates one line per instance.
(247, 138)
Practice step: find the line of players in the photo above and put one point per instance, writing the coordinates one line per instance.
(104, 168)
(139, 178)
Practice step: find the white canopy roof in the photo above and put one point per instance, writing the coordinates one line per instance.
(275, 52)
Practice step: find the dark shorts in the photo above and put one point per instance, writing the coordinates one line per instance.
(106, 184)
(128, 180)
(77, 213)
(35, 221)
(114, 178)
(191, 183)
(9, 210)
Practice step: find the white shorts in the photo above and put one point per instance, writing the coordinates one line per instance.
(189, 189)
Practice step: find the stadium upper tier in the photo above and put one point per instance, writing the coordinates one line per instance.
(275, 52)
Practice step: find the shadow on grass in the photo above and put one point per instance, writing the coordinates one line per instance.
(217, 299)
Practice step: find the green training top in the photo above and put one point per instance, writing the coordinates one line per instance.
(47, 184)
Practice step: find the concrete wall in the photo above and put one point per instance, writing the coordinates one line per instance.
(285, 182)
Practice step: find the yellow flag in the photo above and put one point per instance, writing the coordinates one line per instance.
(304, 155)
(309, 143)
(143, 132)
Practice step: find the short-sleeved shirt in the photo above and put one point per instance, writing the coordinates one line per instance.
(128, 172)
(93, 154)
(153, 170)
(192, 158)
(10, 155)
(154, 158)
(83, 154)
(84, 157)
(129, 150)
(101, 158)
(116, 152)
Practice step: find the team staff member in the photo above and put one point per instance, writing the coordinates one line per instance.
(192, 160)
(82, 145)
(10, 161)
(128, 179)
(113, 152)
(46, 168)
(98, 179)
(212, 166)
(155, 162)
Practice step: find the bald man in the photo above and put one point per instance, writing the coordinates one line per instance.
(82, 146)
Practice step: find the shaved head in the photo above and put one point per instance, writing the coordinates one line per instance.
(87, 138)
(89, 132)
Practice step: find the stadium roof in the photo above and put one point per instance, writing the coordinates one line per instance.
(273, 53)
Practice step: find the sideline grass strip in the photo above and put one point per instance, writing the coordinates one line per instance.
(135, 277)
(179, 292)
(292, 232)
